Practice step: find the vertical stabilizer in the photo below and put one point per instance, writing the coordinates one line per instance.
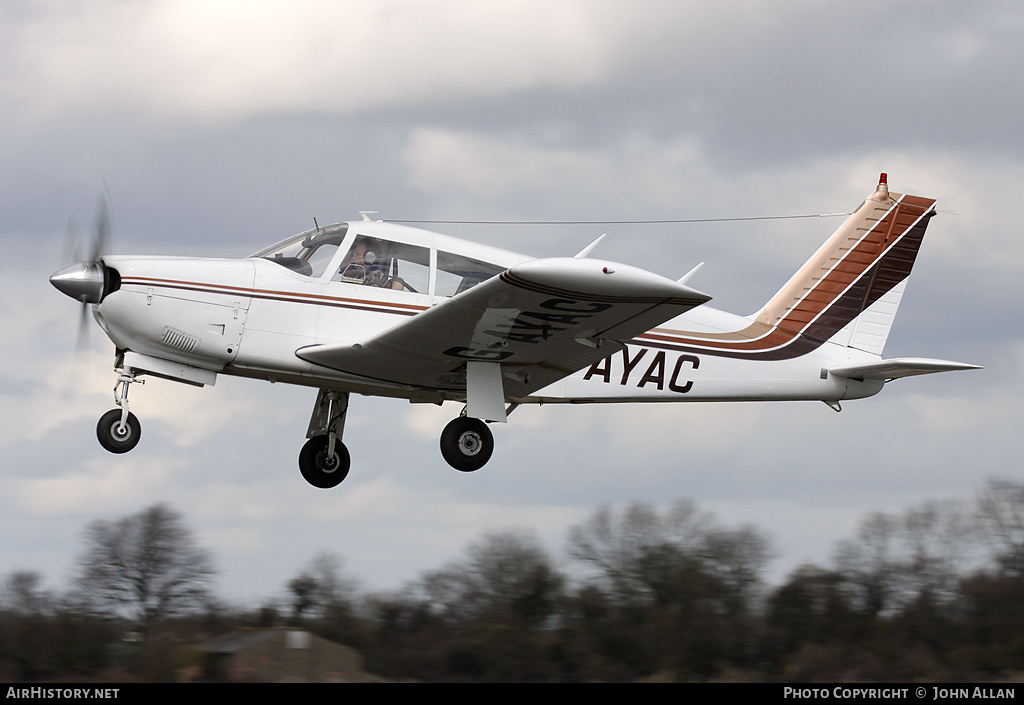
(849, 290)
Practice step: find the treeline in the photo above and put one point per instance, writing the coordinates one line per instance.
(933, 593)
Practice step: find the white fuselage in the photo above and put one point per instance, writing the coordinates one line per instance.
(249, 317)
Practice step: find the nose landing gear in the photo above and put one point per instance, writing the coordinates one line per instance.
(118, 430)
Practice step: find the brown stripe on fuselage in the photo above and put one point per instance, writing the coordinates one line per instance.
(278, 295)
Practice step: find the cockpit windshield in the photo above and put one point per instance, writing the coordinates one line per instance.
(307, 253)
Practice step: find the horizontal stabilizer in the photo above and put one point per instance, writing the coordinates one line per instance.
(899, 367)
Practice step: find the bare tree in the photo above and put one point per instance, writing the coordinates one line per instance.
(321, 588)
(23, 594)
(680, 589)
(640, 552)
(506, 577)
(1001, 518)
(303, 588)
(896, 560)
(144, 567)
(870, 563)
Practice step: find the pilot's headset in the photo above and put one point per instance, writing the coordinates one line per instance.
(370, 255)
(372, 258)
(369, 271)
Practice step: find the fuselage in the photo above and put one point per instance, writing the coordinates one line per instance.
(248, 317)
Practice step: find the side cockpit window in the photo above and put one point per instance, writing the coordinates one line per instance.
(378, 262)
(385, 264)
(307, 253)
(456, 273)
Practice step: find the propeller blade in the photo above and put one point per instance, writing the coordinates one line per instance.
(82, 339)
(82, 276)
(104, 225)
(68, 240)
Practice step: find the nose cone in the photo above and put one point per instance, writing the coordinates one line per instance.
(83, 281)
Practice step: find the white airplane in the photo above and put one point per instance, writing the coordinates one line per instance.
(382, 309)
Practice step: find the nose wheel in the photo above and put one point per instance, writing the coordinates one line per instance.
(115, 436)
(466, 444)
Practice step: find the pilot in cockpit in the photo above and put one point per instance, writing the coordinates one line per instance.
(363, 265)
(360, 264)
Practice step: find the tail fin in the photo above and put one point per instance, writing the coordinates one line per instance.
(849, 290)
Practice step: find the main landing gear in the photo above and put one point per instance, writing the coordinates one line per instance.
(466, 443)
(324, 461)
(323, 466)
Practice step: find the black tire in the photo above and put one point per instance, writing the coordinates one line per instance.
(466, 444)
(319, 470)
(110, 439)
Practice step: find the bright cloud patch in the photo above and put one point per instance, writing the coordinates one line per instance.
(211, 61)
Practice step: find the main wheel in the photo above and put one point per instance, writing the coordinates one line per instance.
(114, 438)
(466, 444)
(320, 470)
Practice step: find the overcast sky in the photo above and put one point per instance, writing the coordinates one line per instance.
(221, 127)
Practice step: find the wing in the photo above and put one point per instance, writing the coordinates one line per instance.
(895, 368)
(530, 326)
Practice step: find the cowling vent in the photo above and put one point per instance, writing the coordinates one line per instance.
(178, 339)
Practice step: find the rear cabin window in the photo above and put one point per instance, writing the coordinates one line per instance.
(456, 273)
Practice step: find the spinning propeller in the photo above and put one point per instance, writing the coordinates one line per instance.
(87, 280)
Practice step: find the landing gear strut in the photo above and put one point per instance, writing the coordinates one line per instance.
(119, 430)
(466, 443)
(324, 460)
